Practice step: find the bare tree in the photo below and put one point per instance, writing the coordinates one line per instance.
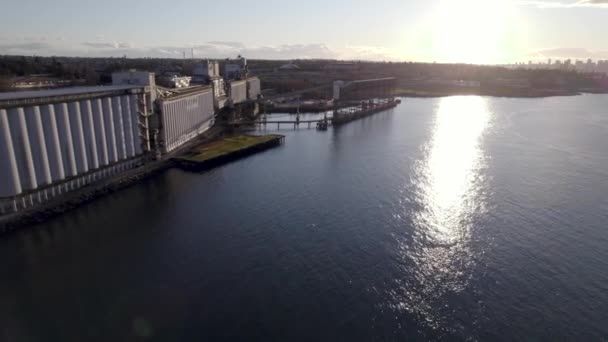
(91, 77)
(5, 83)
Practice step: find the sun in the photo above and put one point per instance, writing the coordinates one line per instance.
(471, 31)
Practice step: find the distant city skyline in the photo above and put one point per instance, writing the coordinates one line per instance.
(469, 31)
(589, 65)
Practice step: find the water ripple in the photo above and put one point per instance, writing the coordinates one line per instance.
(448, 186)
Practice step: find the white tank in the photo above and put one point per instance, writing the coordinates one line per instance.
(10, 183)
(53, 146)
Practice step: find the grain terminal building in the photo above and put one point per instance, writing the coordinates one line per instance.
(182, 117)
(56, 141)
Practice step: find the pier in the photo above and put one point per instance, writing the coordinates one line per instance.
(340, 116)
(366, 108)
(65, 146)
(291, 123)
(348, 100)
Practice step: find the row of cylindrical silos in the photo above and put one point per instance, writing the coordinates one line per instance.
(47, 143)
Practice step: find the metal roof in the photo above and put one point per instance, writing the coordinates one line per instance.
(178, 93)
(20, 95)
(385, 79)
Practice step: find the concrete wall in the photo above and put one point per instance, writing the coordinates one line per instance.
(254, 88)
(238, 91)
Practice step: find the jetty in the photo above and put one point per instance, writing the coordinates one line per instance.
(366, 108)
(340, 116)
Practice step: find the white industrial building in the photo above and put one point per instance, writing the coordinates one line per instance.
(235, 68)
(238, 91)
(205, 72)
(254, 88)
(175, 81)
(55, 141)
(183, 117)
(219, 93)
(60, 140)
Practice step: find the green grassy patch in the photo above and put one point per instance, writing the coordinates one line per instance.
(226, 146)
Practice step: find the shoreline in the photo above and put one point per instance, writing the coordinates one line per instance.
(293, 109)
(497, 94)
(14, 222)
(11, 223)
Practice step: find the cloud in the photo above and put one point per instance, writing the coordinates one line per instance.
(35, 38)
(107, 45)
(557, 4)
(28, 48)
(366, 52)
(569, 53)
(218, 50)
(234, 45)
(98, 47)
(593, 2)
(291, 51)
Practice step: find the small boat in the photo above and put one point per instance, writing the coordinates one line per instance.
(322, 125)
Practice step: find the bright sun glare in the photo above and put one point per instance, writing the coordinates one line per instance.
(471, 31)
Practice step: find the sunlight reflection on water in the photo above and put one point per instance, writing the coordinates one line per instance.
(448, 190)
(448, 177)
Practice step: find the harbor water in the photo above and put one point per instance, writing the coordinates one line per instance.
(456, 218)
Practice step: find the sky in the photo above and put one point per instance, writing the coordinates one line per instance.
(467, 31)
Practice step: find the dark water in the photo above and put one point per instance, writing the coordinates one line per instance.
(461, 218)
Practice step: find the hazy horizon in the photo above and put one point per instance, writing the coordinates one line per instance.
(444, 31)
